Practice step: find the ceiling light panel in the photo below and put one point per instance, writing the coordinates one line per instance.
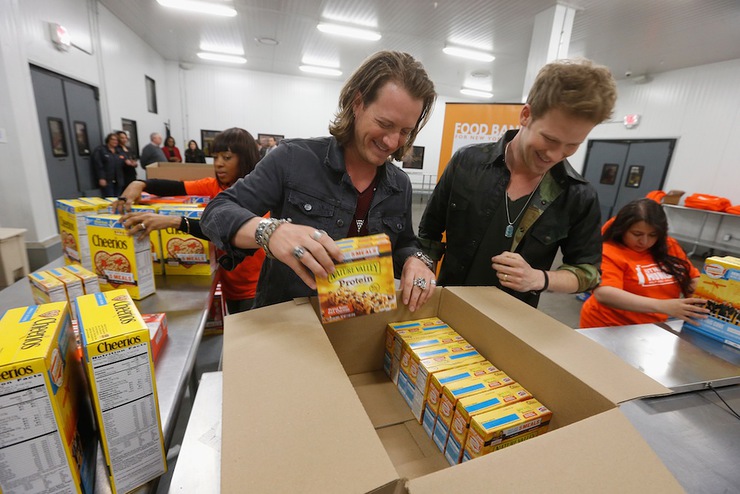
(227, 50)
(476, 93)
(469, 53)
(220, 57)
(315, 69)
(200, 7)
(348, 31)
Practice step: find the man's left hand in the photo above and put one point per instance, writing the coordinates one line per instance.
(417, 283)
(515, 273)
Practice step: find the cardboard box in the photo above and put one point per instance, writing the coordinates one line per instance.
(89, 279)
(185, 254)
(356, 434)
(120, 370)
(719, 283)
(71, 215)
(179, 171)
(119, 259)
(47, 438)
(13, 256)
(157, 324)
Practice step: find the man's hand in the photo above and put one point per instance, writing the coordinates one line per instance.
(417, 283)
(516, 274)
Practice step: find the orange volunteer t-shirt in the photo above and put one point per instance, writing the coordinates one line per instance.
(637, 273)
(241, 283)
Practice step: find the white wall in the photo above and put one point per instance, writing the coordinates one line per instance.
(699, 106)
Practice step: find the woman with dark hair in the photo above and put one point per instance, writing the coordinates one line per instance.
(235, 155)
(108, 162)
(193, 154)
(171, 152)
(646, 276)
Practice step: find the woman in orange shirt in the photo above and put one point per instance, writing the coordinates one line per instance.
(235, 155)
(646, 276)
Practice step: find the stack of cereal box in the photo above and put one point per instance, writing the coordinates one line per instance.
(183, 253)
(47, 440)
(719, 283)
(363, 283)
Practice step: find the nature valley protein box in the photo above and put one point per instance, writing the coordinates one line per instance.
(71, 215)
(362, 283)
(121, 260)
(396, 331)
(120, 369)
(47, 440)
(185, 254)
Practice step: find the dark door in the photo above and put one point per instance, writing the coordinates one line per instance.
(625, 170)
(69, 119)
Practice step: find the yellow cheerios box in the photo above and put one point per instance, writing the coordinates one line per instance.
(185, 254)
(48, 442)
(362, 283)
(71, 214)
(120, 260)
(120, 370)
(394, 344)
(155, 237)
(102, 204)
(46, 288)
(90, 283)
(72, 284)
(503, 427)
(468, 406)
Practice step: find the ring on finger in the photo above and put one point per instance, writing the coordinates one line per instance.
(421, 283)
(142, 225)
(433, 282)
(317, 234)
(506, 277)
(298, 252)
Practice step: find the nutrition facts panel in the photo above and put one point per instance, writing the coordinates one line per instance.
(31, 448)
(125, 393)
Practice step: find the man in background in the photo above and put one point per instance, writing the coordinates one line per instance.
(152, 152)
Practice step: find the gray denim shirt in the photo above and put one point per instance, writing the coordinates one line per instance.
(306, 180)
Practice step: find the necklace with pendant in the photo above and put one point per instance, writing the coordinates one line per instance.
(509, 231)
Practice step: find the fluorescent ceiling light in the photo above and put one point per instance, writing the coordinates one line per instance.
(222, 49)
(468, 53)
(350, 32)
(200, 7)
(219, 57)
(313, 69)
(476, 93)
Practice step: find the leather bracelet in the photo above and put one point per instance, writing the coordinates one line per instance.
(185, 225)
(265, 228)
(547, 284)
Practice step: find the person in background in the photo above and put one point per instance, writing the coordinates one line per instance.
(193, 154)
(235, 155)
(508, 206)
(129, 164)
(271, 144)
(171, 152)
(334, 187)
(152, 153)
(108, 162)
(646, 276)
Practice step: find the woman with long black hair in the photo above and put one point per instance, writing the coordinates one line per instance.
(646, 276)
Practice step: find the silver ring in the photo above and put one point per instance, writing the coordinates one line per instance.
(299, 252)
(421, 283)
(142, 225)
(506, 277)
(317, 234)
(433, 282)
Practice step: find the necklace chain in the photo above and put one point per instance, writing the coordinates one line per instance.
(509, 232)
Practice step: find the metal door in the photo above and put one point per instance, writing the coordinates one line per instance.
(82, 115)
(625, 170)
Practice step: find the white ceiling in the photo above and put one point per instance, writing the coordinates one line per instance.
(641, 36)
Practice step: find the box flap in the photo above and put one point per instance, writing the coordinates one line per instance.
(383, 403)
(593, 364)
(603, 453)
(293, 402)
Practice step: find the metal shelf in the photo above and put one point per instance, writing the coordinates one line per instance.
(698, 241)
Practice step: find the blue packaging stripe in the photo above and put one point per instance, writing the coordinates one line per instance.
(439, 326)
(468, 389)
(405, 326)
(28, 313)
(37, 276)
(483, 404)
(456, 377)
(432, 353)
(464, 355)
(100, 299)
(512, 417)
(422, 343)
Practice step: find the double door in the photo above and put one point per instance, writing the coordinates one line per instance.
(69, 119)
(624, 170)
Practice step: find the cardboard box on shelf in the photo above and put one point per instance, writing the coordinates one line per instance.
(120, 368)
(179, 171)
(369, 441)
(48, 441)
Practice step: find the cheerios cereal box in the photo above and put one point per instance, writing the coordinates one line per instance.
(71, 214)
(120, 370)
(503, 427)
(120, 260)
(362, 283)
(72, 284)
(102, 204)
(47, 437)
(185, 254)
(155, 237)
(46, 288)
(90, 283)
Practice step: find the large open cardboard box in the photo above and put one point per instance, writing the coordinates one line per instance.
(179, 171)
(308, 409)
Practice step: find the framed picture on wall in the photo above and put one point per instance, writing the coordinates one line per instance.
(609, 174)
(83, 143)
(414, 158)
(634, 176)
(56, 135)
(206, 140)
(129, 127)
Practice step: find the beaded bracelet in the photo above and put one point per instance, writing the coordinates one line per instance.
(265, 228)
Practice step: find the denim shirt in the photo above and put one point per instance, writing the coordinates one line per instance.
(563, 214)
(306, 180)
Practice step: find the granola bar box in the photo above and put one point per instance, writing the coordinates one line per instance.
(362, 283)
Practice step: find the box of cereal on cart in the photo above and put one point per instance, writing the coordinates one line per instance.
(89, 279)
(47, 438)
(120, 370)
(71, 214)
(120, 260)
(154, 236)
(362, 283)
(183, 253)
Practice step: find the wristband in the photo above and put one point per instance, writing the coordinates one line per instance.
(185, 225)
(547, 284)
